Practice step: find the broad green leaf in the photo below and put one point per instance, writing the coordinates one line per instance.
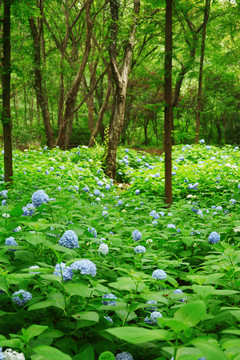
(208, 349)
(203, 291)
(225, 292)
(56, 300)
(231, 343)
(33, 330)
(78, 288)
(50, 353)
(124, 283)
(138, 335)
(125, 315)
(87, 315)
(86, 353)
(191, 314)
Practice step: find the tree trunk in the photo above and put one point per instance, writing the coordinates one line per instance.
(121, 80)
(6, 84)
(168, 103)
(38, 84)
(115, 131)
(200, 78)
(72, 94)
(101, 113)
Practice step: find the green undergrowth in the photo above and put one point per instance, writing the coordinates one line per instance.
(194, 310)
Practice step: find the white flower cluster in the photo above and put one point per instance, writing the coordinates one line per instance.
(9, 354)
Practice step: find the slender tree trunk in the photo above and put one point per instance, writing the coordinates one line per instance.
(101, 113)
(38, 85)
(121, 80)
(72, 94)
(200, 78)
(168, 103)
(6, 83)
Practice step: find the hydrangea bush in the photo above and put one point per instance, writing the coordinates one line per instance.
(74, 284)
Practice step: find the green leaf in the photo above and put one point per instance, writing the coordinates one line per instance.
(191, 314)
(33, 330)
(86, 353)
(225, 292)
(56, 300)
(208, 349)
(87, 315)
(50, 353)
(203, 291)
(124, 283)
(138, 335)
(78, 288)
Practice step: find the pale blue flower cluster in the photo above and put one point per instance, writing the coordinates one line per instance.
(103, 249)
(137, 192)
(202, 141)
(155, 315)
(171, 226)
(159, 274)
(150, 308)
(154, 214)
(11, 241)
(214, 237)
(64, 271)
(86, 189)
(109, 319)
(21, 297)
(109, 296)
(85, 266)
(140, 249)
(96, 192)
(28, 210)
(137, 235)
(193, 186)
(69, 240)
(93, 231)
(124, 356)
(39, 198)
(1, 354)
(232, 201)
(4, 193)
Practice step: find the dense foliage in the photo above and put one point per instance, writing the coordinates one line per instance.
(91, 269)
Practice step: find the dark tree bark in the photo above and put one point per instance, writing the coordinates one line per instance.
(6, 85)
(39, 87)
(62, 141)
(101, 113)
(200, 77)
(120, 77)
(168, 103)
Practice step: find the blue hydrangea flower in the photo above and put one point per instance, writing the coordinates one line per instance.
(202, 141)
(34, 267)
(232, 201)
(150, 308)
(219, 208)
(1, 354)
(21, 297)
(4, 202)
(109, 319)
(107, 187)
(124, 356)
(140, 249)
(162, 213)
(96, 192)
(64, 271)
(17, 229)
(171, 226)
(214, 237)
(105, 213)
(137, 235)
(109, 296)
(100, 183)
(4, 193)
(86, 267)
(137, 192)
(93, 231)
(103, 249)
(154, 214)
(11, 241)
(159, 274)
(119, 202)
(28, 210)
(86, 189)
(39, 197)
(155, 315)
(69, 240)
